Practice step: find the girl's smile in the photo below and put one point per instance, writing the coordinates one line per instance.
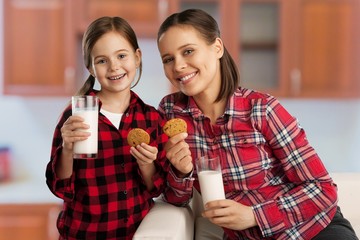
(118, 77)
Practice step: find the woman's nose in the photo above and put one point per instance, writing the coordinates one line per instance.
(180, 64)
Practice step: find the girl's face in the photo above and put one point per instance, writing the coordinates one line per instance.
(190, 63)
(114, 62)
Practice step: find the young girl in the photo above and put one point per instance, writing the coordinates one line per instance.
(107, 197)
(276, 185)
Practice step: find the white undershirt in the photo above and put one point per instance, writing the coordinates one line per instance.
(113, 117)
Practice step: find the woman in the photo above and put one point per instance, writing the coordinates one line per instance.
(275, 184)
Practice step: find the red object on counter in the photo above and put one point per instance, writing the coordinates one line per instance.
(4, 163)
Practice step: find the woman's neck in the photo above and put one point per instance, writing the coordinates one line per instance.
(210, 108)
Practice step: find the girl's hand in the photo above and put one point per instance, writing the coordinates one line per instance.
(178, 153)
(230, 214)
(71, 132)
(144, 154)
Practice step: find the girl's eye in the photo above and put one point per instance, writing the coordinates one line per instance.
(101, 61)
(121, 56)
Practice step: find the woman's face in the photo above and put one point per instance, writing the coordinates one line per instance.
(190, 63)
(114, 62)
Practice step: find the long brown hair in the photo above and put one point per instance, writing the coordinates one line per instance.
(208, 28)
(95, 31)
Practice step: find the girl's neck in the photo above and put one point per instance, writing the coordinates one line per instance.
(114, 102)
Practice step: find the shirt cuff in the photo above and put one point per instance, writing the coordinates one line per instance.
(183, 180)
(269, 218)
(63, 188)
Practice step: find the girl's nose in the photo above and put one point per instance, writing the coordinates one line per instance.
(114, 64)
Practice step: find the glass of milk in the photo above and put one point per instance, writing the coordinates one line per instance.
(87, 107)
(210, 178)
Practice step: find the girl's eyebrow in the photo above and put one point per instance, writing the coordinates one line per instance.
(116, 52)
(99, 56)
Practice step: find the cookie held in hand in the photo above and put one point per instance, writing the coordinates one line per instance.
(137, 136)
(174, 126)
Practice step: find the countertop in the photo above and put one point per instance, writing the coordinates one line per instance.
(24, 191)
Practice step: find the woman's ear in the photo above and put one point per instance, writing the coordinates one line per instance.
(219, 47)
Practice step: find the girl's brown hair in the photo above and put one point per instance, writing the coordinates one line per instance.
(95, 31)
(208, 28)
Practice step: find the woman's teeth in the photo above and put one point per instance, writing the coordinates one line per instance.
(187, 77)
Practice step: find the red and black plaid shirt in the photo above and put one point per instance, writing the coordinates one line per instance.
(106, 198)
(267, 163)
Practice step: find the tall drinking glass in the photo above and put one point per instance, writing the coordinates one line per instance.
(87, 107)
(210, 178)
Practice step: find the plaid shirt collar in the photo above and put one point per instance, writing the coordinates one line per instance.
(134, 98)
(191, 107)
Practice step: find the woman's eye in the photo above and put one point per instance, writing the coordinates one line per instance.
(167, 60)
(121, 56)
(188, 51)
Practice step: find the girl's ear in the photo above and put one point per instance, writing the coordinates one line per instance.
(91, 71)
(138, 56)
(219, 47)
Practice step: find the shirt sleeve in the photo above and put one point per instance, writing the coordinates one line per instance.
(312, 190)
(158, 178)
(178, 190)
(62, 188)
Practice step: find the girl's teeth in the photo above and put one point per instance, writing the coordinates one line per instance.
(117, 77)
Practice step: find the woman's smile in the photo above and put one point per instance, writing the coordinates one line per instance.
(186, 78)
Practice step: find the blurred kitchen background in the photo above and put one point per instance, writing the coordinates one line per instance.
(304, 52)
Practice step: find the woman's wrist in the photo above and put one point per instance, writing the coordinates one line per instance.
(180, 174)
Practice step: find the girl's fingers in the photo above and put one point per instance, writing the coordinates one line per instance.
(144, 153)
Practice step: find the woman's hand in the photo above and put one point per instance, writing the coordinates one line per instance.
(178, 153)
(71, 133)
(230, 214)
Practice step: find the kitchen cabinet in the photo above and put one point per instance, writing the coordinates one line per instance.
(29, 221)
(143, 16)
(42, 40)
(36, 49)
(327, 45)
(297, 48)
(300, 48)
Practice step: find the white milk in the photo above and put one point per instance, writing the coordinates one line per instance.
(88, 147)
(211, 185)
